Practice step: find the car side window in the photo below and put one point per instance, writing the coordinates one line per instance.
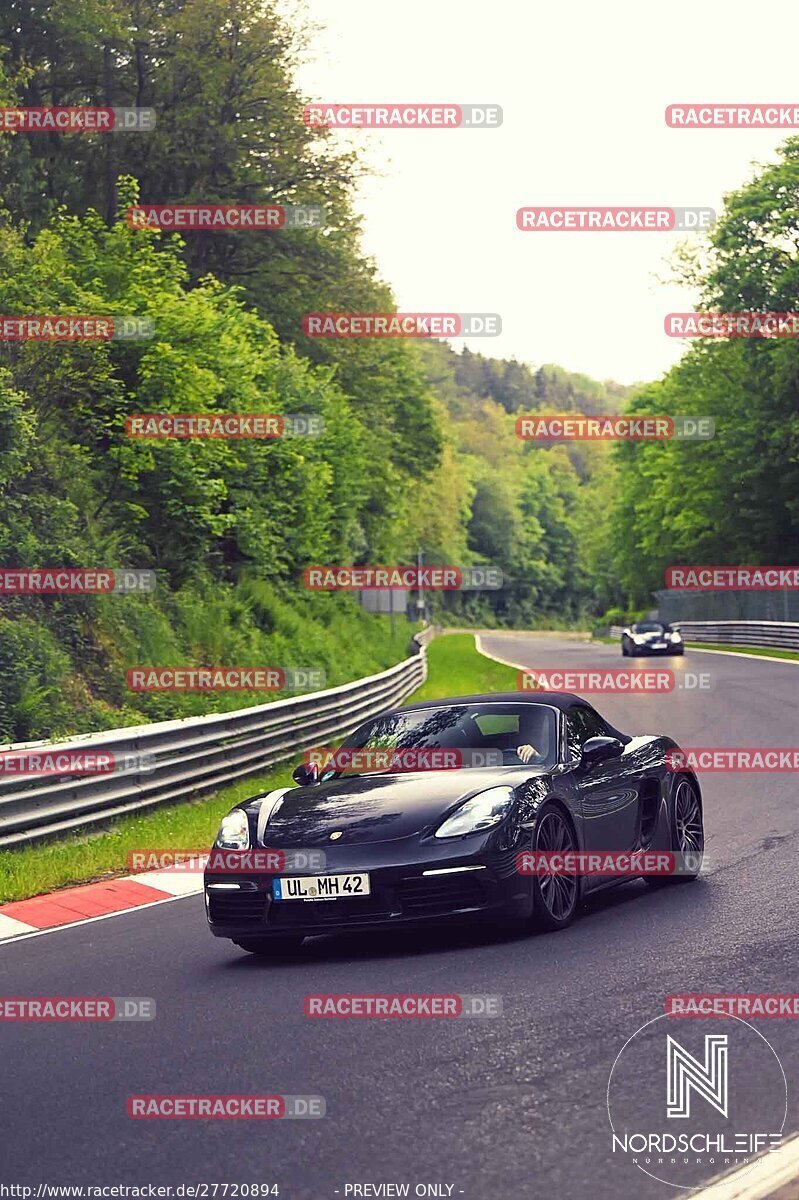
(574, 734)
(594, 725)
(582, 724)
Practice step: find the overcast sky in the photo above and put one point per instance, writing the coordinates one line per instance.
(583, 87)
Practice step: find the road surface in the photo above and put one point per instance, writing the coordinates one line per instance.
(502, 1108)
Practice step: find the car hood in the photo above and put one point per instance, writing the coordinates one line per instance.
(377, 808)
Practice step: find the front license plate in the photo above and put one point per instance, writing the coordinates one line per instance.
(658, 645)
(320, 887)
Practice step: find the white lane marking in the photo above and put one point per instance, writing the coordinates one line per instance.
(121, 912)
(794, 662)
(11, 927)
(478, 645)
(759, 1182)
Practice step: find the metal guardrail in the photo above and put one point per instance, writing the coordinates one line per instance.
(779, 605)
(193, 754)
(782, 634)
(779, 634)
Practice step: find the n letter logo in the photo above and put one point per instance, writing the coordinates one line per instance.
(708, 1079)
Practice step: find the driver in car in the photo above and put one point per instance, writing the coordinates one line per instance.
(530, 730)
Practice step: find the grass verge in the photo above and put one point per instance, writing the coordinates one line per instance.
(455, 668)
(757, 651)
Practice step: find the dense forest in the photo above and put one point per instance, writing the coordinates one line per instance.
(418, 450)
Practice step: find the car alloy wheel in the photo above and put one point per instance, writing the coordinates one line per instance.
(687, 836)
(689, 829)
(555, 895)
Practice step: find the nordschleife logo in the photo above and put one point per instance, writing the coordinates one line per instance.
(685, 1109)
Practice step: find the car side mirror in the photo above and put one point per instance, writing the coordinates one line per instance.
(597, 749)
(306, 773)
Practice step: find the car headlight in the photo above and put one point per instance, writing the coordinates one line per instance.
(234, 832)
(638, 638)
(675, 636)
(480, 812)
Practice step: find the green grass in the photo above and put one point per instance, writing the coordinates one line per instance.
(455, 669)
(755, 650)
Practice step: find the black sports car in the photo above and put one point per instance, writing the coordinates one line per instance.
(403, 844)
(651, 637)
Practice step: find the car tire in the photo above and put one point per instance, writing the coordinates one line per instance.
(624, 650)
(269, 947)
(555, 897)
(687, 831)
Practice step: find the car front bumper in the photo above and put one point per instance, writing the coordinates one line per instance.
(661, 652)
(435, 884)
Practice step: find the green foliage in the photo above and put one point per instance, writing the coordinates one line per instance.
(418, 448)
(735, 498)
(523, 507)
(228, 526)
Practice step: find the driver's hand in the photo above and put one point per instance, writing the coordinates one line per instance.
(525, 753)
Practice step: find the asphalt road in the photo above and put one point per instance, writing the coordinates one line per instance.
(509, 1107)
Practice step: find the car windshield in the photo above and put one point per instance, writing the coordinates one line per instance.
(648, 627)
(449, 737)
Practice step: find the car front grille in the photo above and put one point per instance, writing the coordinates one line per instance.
(441, 893)
(236, 908)
(292, 913)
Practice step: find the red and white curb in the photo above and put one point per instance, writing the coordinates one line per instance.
(95, 901)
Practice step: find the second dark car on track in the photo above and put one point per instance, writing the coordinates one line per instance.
(651, 637)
